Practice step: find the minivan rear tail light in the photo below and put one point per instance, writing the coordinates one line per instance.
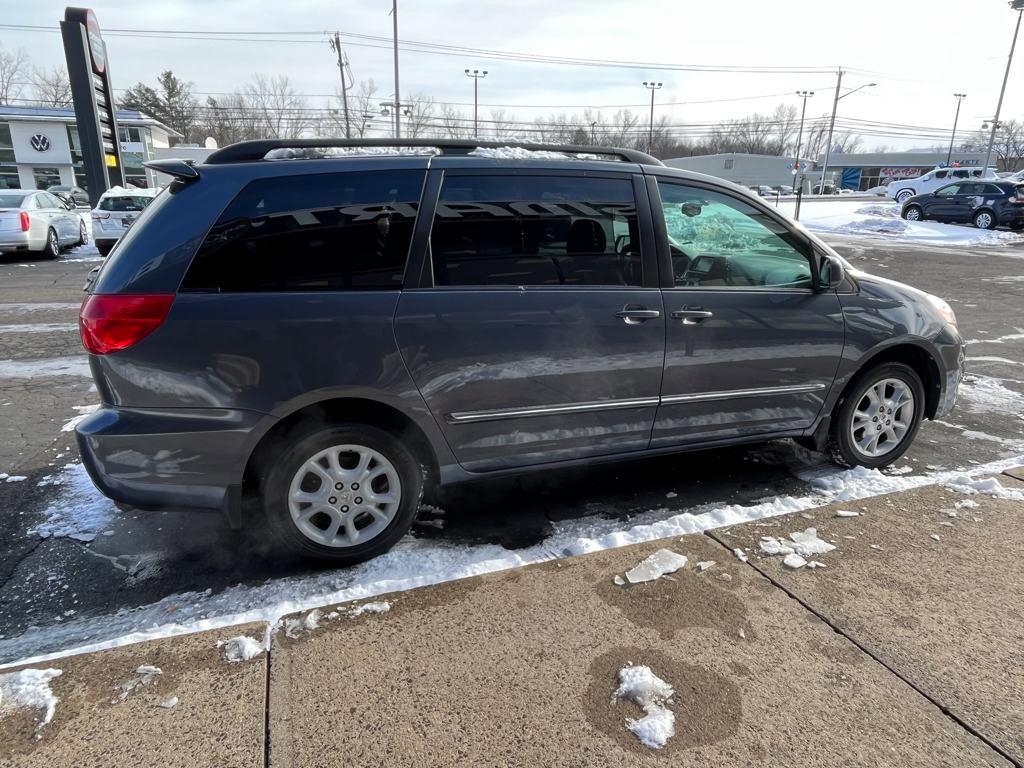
(25, 223)
(112, 322)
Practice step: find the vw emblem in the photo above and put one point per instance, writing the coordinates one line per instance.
(40, 142)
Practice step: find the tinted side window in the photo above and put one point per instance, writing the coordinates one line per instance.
(322, 232)
(962, 174)
(940, 174)
(718, 241)
(536, 230)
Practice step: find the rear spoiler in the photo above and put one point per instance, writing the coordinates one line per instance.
(179, 169)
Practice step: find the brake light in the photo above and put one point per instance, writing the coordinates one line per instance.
(25, 223)
(110, 323)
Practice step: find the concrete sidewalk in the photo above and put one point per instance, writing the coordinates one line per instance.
(518, 667)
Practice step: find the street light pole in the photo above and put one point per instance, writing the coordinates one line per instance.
(652, 87)
(398, 93)
(959, 99)
(805, 95)
(1017, 5)
(477, 76)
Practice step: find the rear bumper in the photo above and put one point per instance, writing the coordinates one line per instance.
(15, 241)
(160, 458)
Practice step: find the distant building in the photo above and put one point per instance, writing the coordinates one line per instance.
(39, 147)
(747, 170)
(857, 171)
(864, 170)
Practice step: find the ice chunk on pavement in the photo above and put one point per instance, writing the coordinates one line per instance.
(618, 580)
(740, 555)
(815, 564)
(936, 537)
(808, 543)
(380, 606)
(168, 703)
(794, 561)
(703, 565)
(846, 513)
(640, 685)
(671, 495)
(241, 648)
(29, 689)
(655, 566)
(772, 546)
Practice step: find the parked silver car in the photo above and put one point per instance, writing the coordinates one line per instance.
(117, 209)
(39, 222)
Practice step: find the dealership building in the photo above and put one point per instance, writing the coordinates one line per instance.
(39, 147)
(856, 171)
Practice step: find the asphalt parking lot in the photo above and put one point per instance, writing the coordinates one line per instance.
(49, 578)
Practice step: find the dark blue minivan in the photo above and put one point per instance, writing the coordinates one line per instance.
(331, 330)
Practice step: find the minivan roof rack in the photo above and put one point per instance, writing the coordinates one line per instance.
(245, 151)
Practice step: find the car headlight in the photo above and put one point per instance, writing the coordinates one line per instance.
(945, 311)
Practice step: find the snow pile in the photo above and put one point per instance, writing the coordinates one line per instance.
(83, 414)
(29, 689)
(12, 478)
(295, 627)
(887, 211)
(80, 512)
(641, 686)
(522, 153)
(655, 566)
(989, 486)
(241, 648)
(985, 393)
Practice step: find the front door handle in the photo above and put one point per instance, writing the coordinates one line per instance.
(692, 316)
(634, 315)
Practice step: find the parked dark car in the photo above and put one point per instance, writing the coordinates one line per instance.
(77, 196)
(986, 204)
(329, 336)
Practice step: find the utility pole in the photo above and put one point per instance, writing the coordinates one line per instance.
(831, 127)
(477, 76)
(797, 175)
(652, 87)
(398, 93)
(959, 99)
(336, 47)
(1017, 5)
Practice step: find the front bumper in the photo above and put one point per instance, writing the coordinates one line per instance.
(173, 457)
(954, 355)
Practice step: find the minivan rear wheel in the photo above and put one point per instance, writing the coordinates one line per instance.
(343, 493)
(878, 417)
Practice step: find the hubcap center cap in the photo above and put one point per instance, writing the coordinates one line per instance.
(345, 497)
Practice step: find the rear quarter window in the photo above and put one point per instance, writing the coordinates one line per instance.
(317, 232)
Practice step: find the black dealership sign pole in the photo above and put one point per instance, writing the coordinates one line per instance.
(89, 73)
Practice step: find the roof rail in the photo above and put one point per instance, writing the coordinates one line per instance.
(179, 169)
(245, 151)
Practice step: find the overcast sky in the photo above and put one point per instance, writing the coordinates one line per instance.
(918, 52)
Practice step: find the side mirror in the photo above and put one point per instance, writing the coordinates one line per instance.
(832, 273)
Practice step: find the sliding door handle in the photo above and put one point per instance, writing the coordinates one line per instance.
(692, 316)
(636, 315)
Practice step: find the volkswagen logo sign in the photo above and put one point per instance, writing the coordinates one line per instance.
(40, 142)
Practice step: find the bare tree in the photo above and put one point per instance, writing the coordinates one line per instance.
(502, 125)
(14, 72)
(453, 124)
(362, 109)
(1008, 147)
(281, 111)
(418, 115)
(51, 88)
(228, 119)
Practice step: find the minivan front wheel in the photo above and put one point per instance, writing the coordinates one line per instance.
(877, 420)
(343, 493)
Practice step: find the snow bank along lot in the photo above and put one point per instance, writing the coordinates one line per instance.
(881, 219)
(81, 513)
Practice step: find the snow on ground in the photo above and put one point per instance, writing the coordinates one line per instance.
(83, 414)
(29, 689)
(39, 306)
(985, 393)
(644, 688)
(79, 511)
(989, 486)
(857, 217)
(51, 366)
(414, 562)
(38, 327)
(241, 648)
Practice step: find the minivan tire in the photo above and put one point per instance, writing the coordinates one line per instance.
(985, 220)
(301, 448)
(842, 446)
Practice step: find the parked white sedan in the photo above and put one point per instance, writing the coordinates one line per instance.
(39, 222)
(117, 209)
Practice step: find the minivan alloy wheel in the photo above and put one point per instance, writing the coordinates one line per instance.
(344, 495)
(883, 417)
